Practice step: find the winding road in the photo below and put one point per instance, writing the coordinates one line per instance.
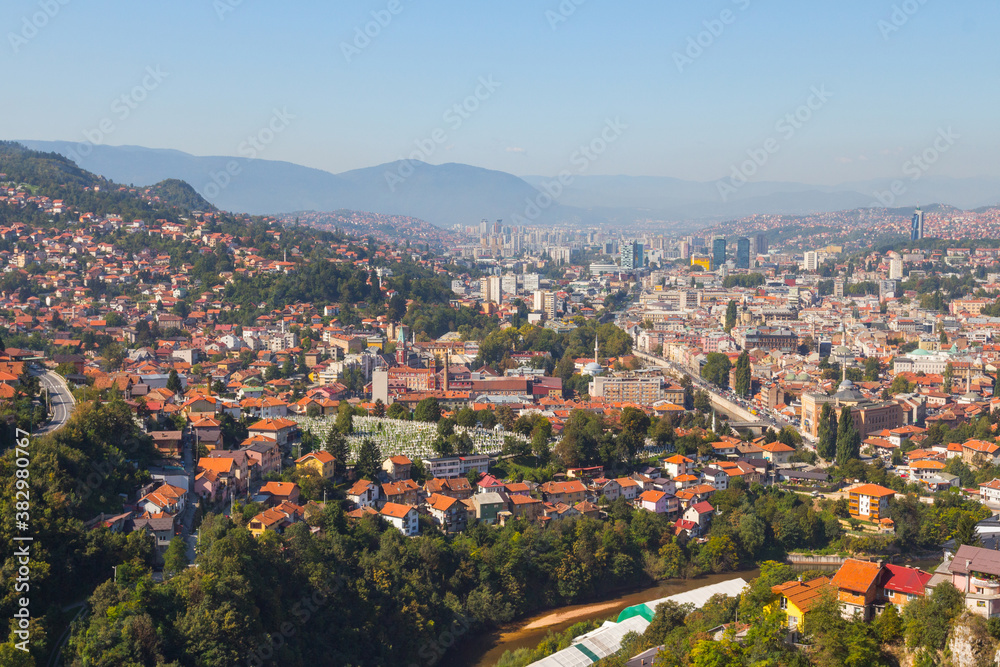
(61, 401)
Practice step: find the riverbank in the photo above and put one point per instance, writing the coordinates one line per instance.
(486, 650)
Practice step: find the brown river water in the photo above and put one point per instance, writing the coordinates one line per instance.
(485, 650)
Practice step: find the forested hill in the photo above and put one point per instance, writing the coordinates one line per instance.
(44, 170)
(177, 193)
(56, 177)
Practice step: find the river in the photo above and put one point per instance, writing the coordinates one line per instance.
(485, 650)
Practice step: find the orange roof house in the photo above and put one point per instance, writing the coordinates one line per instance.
(869, 502)
(857, 586)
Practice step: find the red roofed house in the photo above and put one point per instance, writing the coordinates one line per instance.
(397, 467)
(657, 501)
(980, 451)
(403, 517)
(322, 463)
(777, 452)
(903, 584)
(857, 587)
(168, 443)
(568, 493)
(869, 502)
(404, 492)
(701, 514)
(165, 498)
(630, 488)
(449, 513)
(677, 465)
(280, 430)
(281, 492)
(989, 492)
(364, 493)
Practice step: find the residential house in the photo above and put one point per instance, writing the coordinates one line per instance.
(241, 467)
(281, 492)
(695, 494)
(717, 477)
(677, 465)
(448, 512)
(609, 488)
(164, 498)
(403, 517)
(168, 443)
(980, 452)
(266, 454)
(280, 430)
(658, 502)
(276, 518)
(869, 502)
(397, 468)
(797, 597)
(322, 463)
(453, 487)
(989, 492)
(902, 584)
(777, 453)
(525, 506)
(630, 488)
(364, 493)
(207, 485)
(700, 514)
(488, 505)
(975, 572)
(857, 584)
(404, 492)
(569, 493)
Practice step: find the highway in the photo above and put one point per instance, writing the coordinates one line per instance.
(61, 401)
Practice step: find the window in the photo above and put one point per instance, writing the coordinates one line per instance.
(784, 603)
(980, 603)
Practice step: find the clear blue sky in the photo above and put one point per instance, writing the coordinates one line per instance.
(890, 92)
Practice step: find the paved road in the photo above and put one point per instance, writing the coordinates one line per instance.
(60, 399)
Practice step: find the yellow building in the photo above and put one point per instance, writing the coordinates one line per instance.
(704, 261)
(322, 463)
(796, 598)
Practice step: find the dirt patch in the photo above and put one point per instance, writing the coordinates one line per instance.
(558, 617)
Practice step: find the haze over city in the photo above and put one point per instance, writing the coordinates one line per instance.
(697, 84)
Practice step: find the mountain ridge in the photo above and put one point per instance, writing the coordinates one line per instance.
(456, 193)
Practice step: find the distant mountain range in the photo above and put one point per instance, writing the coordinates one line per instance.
(451, 194)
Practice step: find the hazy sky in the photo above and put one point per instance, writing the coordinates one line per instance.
(896, 73)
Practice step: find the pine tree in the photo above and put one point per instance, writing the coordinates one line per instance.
(946, 380)
(742, 384)
(826, 447)
(337, 445)
(174, 382)
(345, 418)
(369, 460)
(848, 438)
(730, 316)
